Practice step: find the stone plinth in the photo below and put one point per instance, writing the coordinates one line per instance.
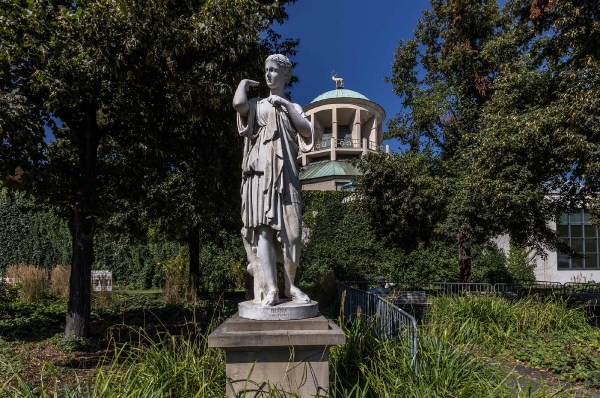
(291, 355)
(284, 310)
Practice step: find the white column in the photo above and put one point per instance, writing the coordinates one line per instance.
(356, 127)
(334, 132)
(373, 136)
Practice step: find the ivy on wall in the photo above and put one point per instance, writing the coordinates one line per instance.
(340, 241)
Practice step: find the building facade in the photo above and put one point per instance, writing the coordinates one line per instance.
(348, 125)
(577, 231)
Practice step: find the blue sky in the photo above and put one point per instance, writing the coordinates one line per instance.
(357, 39)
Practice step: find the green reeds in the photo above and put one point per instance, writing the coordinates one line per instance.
(492, 322)
(370, 367)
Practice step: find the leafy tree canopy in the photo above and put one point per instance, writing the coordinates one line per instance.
(127, 79)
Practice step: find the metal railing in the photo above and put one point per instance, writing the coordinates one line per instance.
(320, 145)
(348, 143)
(392, 322)
(457, 288)
(582, 287)
(452, 288)
(540, 288)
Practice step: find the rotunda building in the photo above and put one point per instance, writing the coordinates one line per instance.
(347, 125)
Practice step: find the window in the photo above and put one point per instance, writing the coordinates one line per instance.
(576, 231)
(344, 133)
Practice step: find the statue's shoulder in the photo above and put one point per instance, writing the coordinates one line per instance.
(299, 108)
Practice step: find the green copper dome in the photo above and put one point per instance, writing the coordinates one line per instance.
(339, 93)
(328, 168)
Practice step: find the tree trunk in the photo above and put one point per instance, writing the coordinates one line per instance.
(464, 257)
(194, 248)
(81, 226)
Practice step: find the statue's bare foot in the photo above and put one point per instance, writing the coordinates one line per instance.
(297, 296)
(270, 299)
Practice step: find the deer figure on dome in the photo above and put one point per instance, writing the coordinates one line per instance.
(339, 82)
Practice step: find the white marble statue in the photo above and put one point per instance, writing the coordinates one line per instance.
(273, 128)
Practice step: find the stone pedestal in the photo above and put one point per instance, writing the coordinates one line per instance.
(291, 355)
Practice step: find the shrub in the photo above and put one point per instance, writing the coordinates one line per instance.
(175, 277)
(489, 264)
(223, 264)
(59, 284)
(520, 264)
(33, 282)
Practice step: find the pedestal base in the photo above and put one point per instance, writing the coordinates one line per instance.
(284, 310)
(292, 356)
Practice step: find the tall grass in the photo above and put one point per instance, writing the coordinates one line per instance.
(368, 366)
(173, 366)
(59, 284)
(32, 280)
(492, 322)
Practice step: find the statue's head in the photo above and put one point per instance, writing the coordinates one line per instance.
(284, 64)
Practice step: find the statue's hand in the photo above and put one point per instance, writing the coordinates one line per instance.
(277, 100)
(249, 83)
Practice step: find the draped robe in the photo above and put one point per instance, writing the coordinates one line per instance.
(270, 183)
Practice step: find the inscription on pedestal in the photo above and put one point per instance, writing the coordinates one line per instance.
(279, 312)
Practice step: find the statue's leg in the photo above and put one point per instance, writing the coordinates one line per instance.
(290, 265)
(266, 253)
(291, 290)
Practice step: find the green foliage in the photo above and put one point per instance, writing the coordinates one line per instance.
(136, 103)
(443, 81)
(34, 321)
(403, 197)
(37, 238)
(569, 356)
(134, 264)
(178, 362)
(490, 264)
(520, 264)
(223, 264)
(545, 97)
(545, 334)
(75, 343)
(379, 368)
(341, 241)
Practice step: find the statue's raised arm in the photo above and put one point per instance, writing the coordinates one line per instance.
(240, 99)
